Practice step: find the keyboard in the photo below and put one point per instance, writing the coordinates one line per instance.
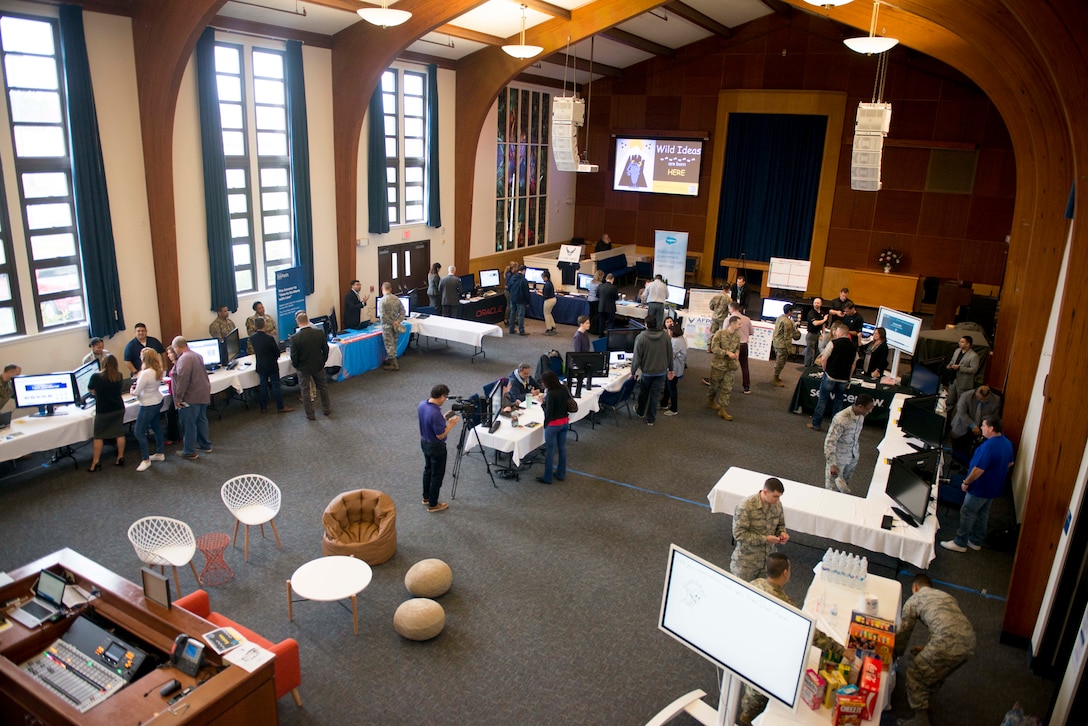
(72, 675)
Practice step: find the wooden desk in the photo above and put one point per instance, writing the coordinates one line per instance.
(872, 288)
(733, 266)
(231, 696)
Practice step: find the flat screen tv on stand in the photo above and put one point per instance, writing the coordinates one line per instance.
(910, 485)
(695, 596)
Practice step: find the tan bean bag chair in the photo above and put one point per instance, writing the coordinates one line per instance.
(361, 524)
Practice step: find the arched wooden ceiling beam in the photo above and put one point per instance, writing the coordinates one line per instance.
(582, 64)
(1024, 56)
(695, 17)
(638, 42)
(360, 54)
(164, 36)
(547, 8)
(481, 75)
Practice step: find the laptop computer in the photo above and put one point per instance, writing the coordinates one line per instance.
(47, 601)
(5, 419)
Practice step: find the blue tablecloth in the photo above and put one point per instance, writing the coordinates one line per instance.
(566, 311)
(364, 350)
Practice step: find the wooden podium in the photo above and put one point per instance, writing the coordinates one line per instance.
(229, 695)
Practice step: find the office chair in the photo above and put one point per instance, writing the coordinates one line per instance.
(253, 500)
(162, 541)
(612, 400)
(643, 271)
(600, 345)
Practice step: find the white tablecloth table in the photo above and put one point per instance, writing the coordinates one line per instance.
(521, 441)
(833, 515)
(821, 599)
(456, 330)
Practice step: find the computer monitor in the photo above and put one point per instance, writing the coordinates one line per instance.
(468, 283)
(406, 303)
(923, 380)
(696, 596)
(323, 322)
(534, 275)
(622, 339)
(208, 349)
(772, 308)
(676, 295)
(333, 322)
(919, 419)
(618, 357)
(82, 377)
(910, 484)
(231, 346)
(45, 391)
(489, 278)
(582, 367)
(583, 281)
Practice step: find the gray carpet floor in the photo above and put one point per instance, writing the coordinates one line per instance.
(552, 617)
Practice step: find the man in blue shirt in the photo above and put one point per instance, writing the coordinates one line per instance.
(983, 484)
(433, 430)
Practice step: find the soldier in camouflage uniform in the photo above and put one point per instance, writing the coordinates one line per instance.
(251, 327)
(725, 347)
(392, 325)
(752, 701)
(719, 305)
(758, 525)
(785, 331)
(841, 444)
(222, 323)
(951, 642)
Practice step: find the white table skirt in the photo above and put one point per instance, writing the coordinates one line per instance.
(468, 332)
(833, 515)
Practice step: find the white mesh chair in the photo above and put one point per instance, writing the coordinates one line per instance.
(252, 499)
(161, 541)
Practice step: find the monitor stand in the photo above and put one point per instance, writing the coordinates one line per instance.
(49, 410)
(904, 516)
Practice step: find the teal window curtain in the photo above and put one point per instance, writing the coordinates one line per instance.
(220, 256)
(299, 150)
(377, 200)
(434, 197)
(770, 180)
(103, 285)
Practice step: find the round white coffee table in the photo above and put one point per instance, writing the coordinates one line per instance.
(330, 579)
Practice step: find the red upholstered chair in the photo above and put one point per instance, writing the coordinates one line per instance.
(287, 667)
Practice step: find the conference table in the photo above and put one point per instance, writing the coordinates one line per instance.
(523, 440)
(807, 392)
(839, 516)
(454, 330)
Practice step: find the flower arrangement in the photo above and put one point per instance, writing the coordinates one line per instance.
(889, 259)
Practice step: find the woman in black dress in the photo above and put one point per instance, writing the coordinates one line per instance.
(109, 411)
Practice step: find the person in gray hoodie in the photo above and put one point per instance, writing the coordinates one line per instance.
(651, 366)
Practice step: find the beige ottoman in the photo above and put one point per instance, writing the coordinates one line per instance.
(419, 619)
(429, 578)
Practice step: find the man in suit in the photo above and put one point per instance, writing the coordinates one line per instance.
(739, 293)
(309, 351)
(963, 365)
(607, 294)
(450, 291)
(971, 408)
(354, 302)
